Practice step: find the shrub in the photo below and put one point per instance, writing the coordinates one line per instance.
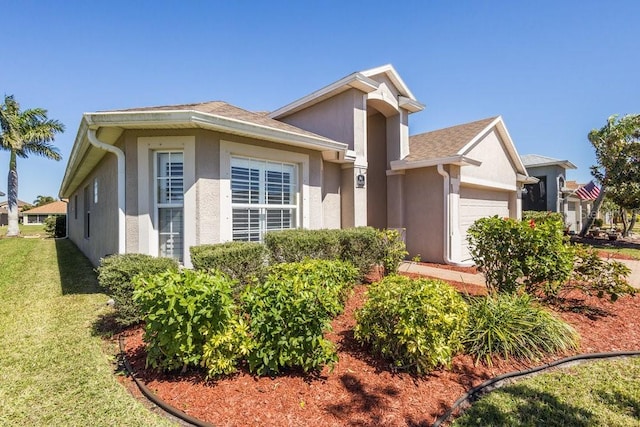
(511, 253)
(417, 324)
(296, 245)
(239, 260)
(540, 217)
(116, 273)
(598, 222)
(596, 276)
(182, 311)
(361, 247)
(393, 250)
(56, 225)
(290, 311)
(511, 326)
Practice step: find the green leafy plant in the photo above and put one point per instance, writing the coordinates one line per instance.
(392, 250)
(540, 217)
(56, 225)
(596, 276)
(241, 261)
(417, 324)
(360, 246)
(116, 273)
(182, 312)
(514, 253)
(296, 245)
(226, 347)
(290, 311)
(513, 326)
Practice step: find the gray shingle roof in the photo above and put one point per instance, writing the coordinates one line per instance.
(445, 142)
(533, 160)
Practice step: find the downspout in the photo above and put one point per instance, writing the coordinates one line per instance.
(447, 216)
(93, 139)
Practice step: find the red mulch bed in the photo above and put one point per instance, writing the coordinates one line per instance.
(363, 391)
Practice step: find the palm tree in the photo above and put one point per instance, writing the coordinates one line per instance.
(23, 133)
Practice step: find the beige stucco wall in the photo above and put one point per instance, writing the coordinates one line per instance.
(424, 214)
(103, 237)
(331, 176)
(376, 181)
(496, 167)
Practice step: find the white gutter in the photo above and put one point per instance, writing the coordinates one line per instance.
(448, 214)
(93, 139)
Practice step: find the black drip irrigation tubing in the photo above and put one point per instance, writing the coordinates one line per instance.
(155, 399)
(494, 382)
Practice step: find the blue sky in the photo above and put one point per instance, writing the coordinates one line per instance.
(553, 69)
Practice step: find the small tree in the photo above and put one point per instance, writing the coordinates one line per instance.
(618, 169)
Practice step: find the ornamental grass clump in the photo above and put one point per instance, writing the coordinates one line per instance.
(417, 324)
(513, 326)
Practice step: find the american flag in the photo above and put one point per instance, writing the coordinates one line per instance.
(588, 192)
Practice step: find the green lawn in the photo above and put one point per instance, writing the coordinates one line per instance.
(54, 371)
(594, 394)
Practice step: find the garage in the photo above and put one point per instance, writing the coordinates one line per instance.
(476, 203)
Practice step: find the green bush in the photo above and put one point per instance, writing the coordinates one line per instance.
(540, 217)
(511, 253)
(239, 260)
(598, 222)
(115, 275)
(289, 313)
(596, 276)
(182, 312)
(296, 245)
(417, 324)
(360, 246)
(56, 225)
(512, 326)
(393, 250)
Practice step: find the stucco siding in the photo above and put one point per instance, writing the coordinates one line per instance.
(208, 187)
(424, 214)
(331, 176)
(333, 117)
(103, 218)
(376, 181)
(496, 165)
(551, 173)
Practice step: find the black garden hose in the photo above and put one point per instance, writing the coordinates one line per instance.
(155, 399)
(493, 383)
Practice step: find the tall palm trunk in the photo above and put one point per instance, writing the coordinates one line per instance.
(12, 197)
(594, 211)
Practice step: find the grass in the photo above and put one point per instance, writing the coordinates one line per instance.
(54, 370)
(594, 394)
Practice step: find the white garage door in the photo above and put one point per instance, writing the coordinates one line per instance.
(479, 203)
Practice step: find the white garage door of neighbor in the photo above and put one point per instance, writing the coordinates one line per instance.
(475, 204)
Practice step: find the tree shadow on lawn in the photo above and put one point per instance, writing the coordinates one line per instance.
(529, 407)
(623, 402)
(77, 275)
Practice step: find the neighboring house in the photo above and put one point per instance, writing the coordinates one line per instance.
(4, 214)
(37, 215)
(159, 180)
(553, 192)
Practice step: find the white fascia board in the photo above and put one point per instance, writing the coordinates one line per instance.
(80, 146)
(454, 160)
(410, 105)
(144, 119)
(355, 80)
(393, 75)
(562, 163)
(525, 179)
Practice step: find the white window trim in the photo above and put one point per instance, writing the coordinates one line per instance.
(148, 240)
(229, 149)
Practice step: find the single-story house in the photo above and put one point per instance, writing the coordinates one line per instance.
(159, 180)
(37, 215)
(4, 212)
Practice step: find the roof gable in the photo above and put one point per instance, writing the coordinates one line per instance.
(536, 160)
(57, 207)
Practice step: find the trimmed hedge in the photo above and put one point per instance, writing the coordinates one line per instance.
(239, 260)
(116, 274)
(298, 244)
(56, 226)
(417, 324)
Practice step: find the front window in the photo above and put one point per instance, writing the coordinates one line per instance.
(263, 197)
(170, 203)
